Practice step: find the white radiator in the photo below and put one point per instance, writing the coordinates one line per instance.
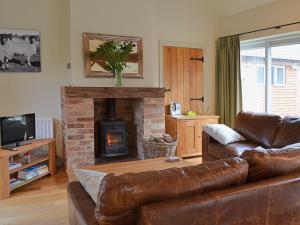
(44, 128)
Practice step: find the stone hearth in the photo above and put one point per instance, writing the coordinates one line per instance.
(82, 107)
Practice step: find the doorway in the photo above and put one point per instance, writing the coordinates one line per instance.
(183, 78)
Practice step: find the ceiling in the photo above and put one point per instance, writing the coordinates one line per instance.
(230, 7)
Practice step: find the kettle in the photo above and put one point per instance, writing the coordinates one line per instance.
(175, 108)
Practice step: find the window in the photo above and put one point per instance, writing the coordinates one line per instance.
(278, 75)
(270, 74)
(260, 75)
(253, 75)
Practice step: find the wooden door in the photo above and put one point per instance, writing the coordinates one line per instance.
(183, 78)
(190, 138)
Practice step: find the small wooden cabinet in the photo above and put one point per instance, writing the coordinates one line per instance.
(5, 173)
(189, 132)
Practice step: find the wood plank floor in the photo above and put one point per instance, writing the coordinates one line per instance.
(44, 202)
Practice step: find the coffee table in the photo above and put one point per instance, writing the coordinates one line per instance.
(140, 165)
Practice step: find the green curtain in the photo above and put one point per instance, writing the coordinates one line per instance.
(228, 79)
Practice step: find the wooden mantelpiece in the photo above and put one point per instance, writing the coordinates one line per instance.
(112, 92)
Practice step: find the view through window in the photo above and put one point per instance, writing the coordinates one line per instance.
(253, 75)
(270, 74)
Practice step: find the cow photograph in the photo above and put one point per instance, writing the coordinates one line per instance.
(20, 51)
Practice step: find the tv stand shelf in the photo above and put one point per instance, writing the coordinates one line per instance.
(35, 159)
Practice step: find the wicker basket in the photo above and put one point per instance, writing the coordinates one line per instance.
(159, 146)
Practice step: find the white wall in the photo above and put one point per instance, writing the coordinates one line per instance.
(189, 21)
(280, 12)
(36, 92)
(62, 22)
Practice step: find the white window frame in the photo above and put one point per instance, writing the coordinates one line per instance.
(276, 84)
(268, 43)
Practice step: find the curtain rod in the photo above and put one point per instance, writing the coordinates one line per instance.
(269, 28)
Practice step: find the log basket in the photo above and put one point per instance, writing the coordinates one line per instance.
(163, 146)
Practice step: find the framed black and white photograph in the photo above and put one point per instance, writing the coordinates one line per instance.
(20, 51)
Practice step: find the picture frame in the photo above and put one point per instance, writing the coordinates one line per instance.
(20, 51)
(94, 69)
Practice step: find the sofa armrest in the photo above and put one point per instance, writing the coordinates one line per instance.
(81, 206)
(206, 140)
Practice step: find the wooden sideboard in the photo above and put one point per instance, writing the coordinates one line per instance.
(188, 130)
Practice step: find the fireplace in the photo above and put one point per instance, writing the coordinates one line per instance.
(140, 110)
(112, 133)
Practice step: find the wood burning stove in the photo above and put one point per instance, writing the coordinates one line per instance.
(113, 136)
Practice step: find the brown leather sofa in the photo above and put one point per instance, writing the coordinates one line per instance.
(269, 197)
(267, 131)
(260, 187)
(121, 197)
(263, 188)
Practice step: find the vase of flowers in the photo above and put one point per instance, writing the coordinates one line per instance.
(115, 55)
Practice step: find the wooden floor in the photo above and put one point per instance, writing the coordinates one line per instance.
(44, 202)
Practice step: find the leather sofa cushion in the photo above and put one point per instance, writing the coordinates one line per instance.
(120, 197)
(269, 163)
(288, 132)
(231, 150)
(257, 128)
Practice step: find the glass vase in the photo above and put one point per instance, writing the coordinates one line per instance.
(118, 79)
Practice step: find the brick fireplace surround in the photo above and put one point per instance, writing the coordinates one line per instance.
(143, 107)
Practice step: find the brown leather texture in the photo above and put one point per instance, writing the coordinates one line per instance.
(213, 150)
(264, 164)
(264, 130)
(206, 141)
(288, 132)
(120, 197)
(231, 150)
(258, 128)
(272, 202)
(81, 206)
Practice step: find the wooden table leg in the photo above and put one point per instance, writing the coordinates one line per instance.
(4, 178)
(52, 159)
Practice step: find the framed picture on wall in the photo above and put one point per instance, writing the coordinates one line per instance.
(95, 68)
(20, 51)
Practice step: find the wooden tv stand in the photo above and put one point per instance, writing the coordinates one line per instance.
(5, 155)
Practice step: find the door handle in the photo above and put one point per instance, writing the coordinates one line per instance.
(197, 58)
(167, 90)
(198, 99)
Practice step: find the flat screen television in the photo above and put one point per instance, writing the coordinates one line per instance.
(17, 130)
